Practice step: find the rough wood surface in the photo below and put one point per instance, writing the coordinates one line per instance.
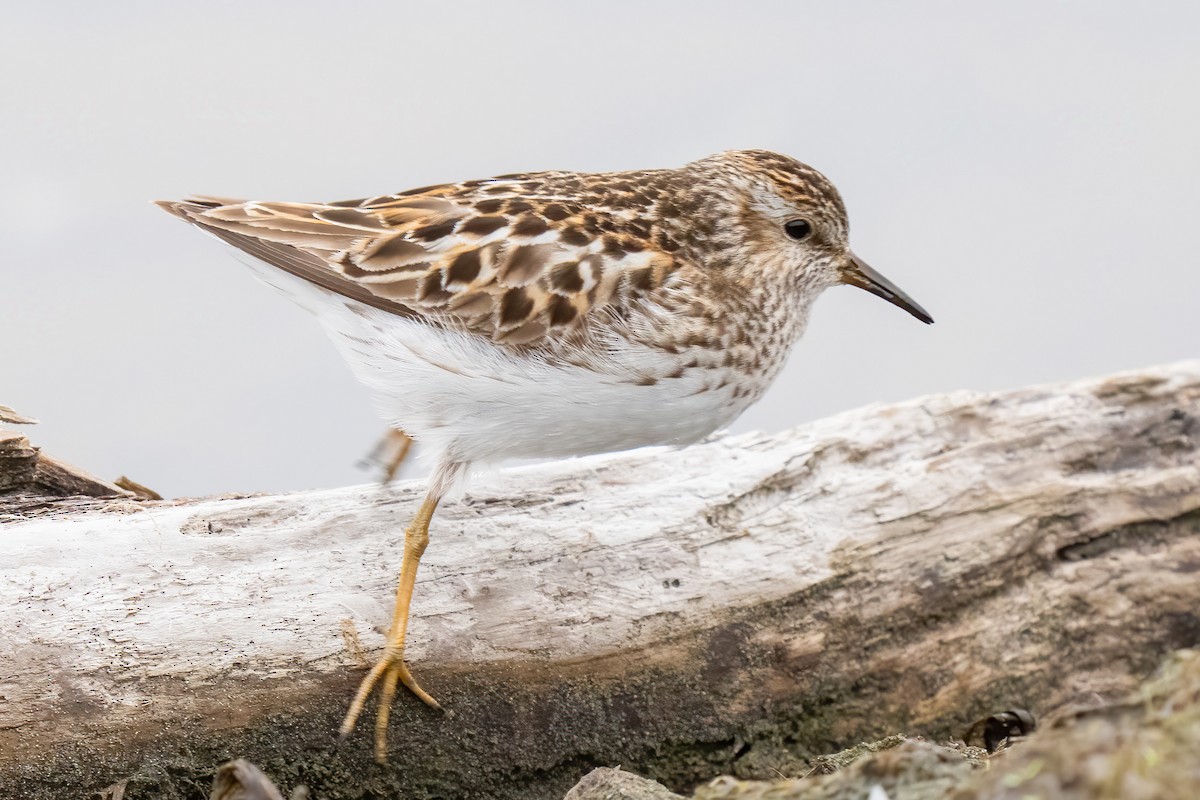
(686, 612)
(25, 469)
(11, 415)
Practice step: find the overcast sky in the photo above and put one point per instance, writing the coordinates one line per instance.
(1029, 173)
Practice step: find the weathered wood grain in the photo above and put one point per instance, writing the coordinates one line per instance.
(682, 611)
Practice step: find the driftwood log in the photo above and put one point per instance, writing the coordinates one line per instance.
(726, 608)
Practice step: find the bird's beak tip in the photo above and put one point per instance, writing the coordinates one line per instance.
(859, 273)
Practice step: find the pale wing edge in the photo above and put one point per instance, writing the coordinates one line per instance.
(290, 259)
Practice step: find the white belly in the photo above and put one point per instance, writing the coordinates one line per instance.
(466, 400)
(471, 401)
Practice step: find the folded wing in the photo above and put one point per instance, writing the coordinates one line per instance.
(445, 256)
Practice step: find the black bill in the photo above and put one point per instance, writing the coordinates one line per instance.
(859, 273)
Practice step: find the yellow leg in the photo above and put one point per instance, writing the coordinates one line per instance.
(401, 442)
(389, 453)
(391, 666)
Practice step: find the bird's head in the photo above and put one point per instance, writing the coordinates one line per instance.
(788, 219)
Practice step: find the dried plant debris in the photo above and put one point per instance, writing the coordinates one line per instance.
(607, 783)
(130, 485)
(241, 780)
(827, 765)
(7, 414)
(897, 767)
(114, 792)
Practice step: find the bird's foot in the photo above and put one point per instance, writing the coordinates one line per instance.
(387, 672)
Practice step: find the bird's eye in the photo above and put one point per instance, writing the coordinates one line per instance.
(798, 229)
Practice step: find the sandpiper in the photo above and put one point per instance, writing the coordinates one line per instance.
(555, 314)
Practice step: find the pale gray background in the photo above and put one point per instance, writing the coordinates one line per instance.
(1028, 171)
